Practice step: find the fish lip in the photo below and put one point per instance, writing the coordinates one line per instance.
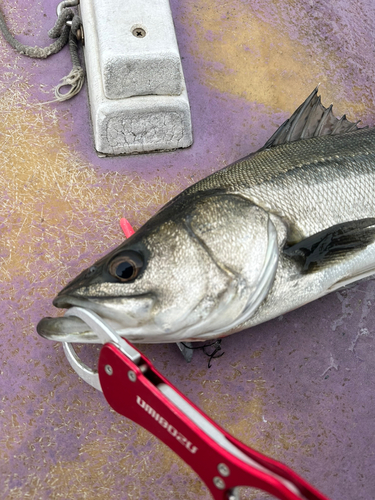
(46, 328)
(100, 306)
(68, 301)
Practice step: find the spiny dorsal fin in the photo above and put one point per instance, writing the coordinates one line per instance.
(332, 244)
(311, 119)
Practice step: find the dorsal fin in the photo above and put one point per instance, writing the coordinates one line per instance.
(311, 119)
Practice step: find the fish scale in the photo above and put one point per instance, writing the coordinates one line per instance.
(292, 180)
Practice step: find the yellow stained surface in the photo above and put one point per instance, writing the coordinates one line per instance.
(259, 61)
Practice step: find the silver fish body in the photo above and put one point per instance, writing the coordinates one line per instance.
(263, 236)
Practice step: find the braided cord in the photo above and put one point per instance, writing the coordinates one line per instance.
(63, 34)
(60, 31)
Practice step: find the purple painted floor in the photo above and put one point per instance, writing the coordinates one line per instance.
(299, 388)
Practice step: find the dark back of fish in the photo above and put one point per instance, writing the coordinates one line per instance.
(312, 183)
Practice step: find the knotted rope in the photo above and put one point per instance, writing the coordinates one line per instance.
(64, 34)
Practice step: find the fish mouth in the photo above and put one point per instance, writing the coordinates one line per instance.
(67, 328)
(73, 329)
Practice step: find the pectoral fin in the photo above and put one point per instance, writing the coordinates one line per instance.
(333, 244)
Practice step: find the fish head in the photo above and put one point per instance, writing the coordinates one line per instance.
(197, 269)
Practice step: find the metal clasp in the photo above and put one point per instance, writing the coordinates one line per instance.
(63, 5)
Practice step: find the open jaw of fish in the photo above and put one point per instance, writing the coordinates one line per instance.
(273, 231)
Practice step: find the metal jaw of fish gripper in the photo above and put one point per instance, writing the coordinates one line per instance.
(106, 335)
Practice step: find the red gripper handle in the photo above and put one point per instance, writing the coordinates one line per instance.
(139, 393)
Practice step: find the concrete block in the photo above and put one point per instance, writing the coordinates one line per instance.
(141, 124)
(138, 50)
(125, 122)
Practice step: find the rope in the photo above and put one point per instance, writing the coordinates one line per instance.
(64, 34)
(76, 77)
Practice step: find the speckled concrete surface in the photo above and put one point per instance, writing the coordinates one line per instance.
(299, 388)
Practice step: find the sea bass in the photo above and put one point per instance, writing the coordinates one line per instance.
(265, 235)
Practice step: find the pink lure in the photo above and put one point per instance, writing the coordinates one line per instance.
(126, 227)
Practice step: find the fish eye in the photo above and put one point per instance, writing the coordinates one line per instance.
(126, 267)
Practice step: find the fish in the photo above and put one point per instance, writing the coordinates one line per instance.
(267, 234)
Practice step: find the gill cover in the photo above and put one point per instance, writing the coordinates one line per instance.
(242, 242)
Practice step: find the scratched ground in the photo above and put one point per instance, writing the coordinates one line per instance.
(299, 388)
